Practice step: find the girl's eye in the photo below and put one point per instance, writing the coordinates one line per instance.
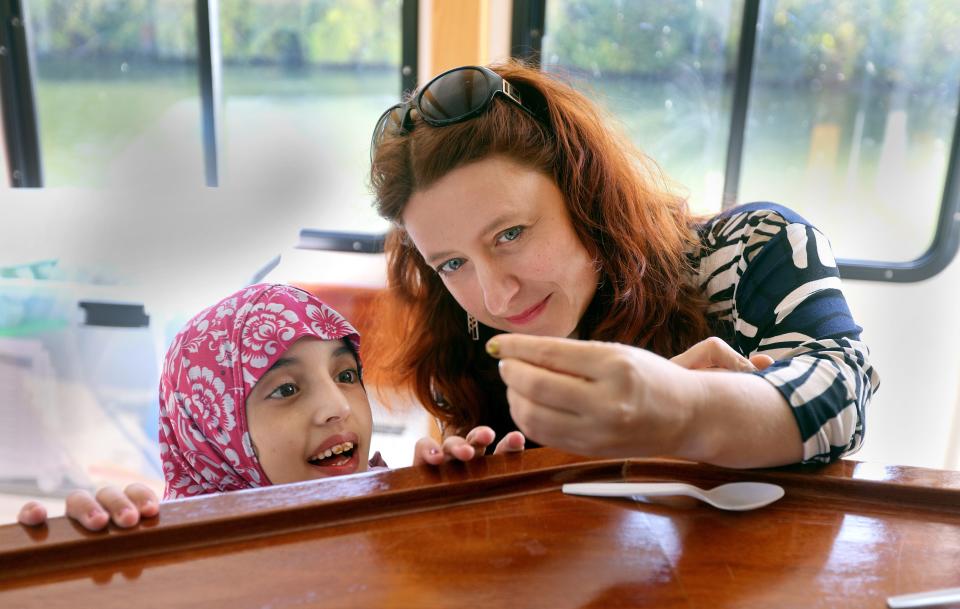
(284, 391)
(511, 234)
(450, 265)
(348, 376)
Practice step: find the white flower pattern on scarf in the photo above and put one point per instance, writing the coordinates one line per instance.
(326, 321)
(265, 328)
(212, 407)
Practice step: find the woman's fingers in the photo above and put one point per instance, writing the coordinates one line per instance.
(82, 507)
(465, 448)
(480, 438)
(545, 425)
(548, 388)
(513, 442)
(32, 514)
(577, 358)
(455, 447)
(427, 451)
(761, 361)
(713, 352)
(122, 511)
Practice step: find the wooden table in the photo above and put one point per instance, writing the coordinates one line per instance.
(499, 533)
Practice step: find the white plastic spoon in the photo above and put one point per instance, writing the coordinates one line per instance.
(932, 598)
(736, 496)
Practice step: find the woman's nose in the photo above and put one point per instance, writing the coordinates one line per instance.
(498, 288)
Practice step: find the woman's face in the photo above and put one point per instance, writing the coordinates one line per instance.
(309, 416)
(500, 237)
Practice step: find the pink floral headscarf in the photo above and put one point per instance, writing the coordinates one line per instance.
(210, 369)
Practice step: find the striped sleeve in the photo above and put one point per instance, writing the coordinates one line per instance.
(774, 288)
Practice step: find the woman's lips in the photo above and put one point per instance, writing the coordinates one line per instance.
(530, 314)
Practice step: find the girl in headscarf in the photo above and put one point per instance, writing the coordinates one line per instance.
(262, 388)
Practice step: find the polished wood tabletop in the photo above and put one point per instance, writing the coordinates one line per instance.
(499, 532)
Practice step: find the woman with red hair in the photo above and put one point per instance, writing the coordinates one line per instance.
(543, 276)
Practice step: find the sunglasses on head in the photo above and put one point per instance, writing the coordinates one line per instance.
(455, 96)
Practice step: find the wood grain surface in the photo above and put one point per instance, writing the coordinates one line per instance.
(499, 532)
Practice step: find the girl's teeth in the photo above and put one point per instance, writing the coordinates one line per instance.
(335, 450)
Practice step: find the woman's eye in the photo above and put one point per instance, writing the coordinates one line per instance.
(284, 391)
(511, 234)
(450, 265)
(348, 376)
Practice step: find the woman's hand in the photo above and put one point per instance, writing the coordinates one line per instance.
(595, 398)
(94, 513)
(715, 354)
(613, 400)
(466, 448)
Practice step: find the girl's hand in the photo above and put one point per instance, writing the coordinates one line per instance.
(602, 399)
(465, 448)
(715, 354)
(124, 508)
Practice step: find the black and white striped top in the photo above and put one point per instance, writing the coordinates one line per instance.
(773, 288)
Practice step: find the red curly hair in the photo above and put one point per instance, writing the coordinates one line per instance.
(621, 208)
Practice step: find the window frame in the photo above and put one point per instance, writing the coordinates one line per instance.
(17, 99)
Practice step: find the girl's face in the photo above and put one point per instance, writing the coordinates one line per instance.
(500, 236)
(309, 416)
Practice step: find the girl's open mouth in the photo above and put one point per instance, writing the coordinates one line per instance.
(339, 456)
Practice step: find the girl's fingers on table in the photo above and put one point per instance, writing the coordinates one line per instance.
(82, 507)
(143, 498)
(122, 511)
(32, 514)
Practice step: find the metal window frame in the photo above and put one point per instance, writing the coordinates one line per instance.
(209, 70)
(410, 36)
(741, 101)
(17, 99)
(946, 241)
(526, 30)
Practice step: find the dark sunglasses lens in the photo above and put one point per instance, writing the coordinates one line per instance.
(455, 95)
(390, 123)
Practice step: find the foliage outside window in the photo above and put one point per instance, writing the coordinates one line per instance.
(664, 70)
(116, 90)
(304, 82)
(850, 115)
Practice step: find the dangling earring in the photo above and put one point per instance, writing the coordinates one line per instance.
(472, 328)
